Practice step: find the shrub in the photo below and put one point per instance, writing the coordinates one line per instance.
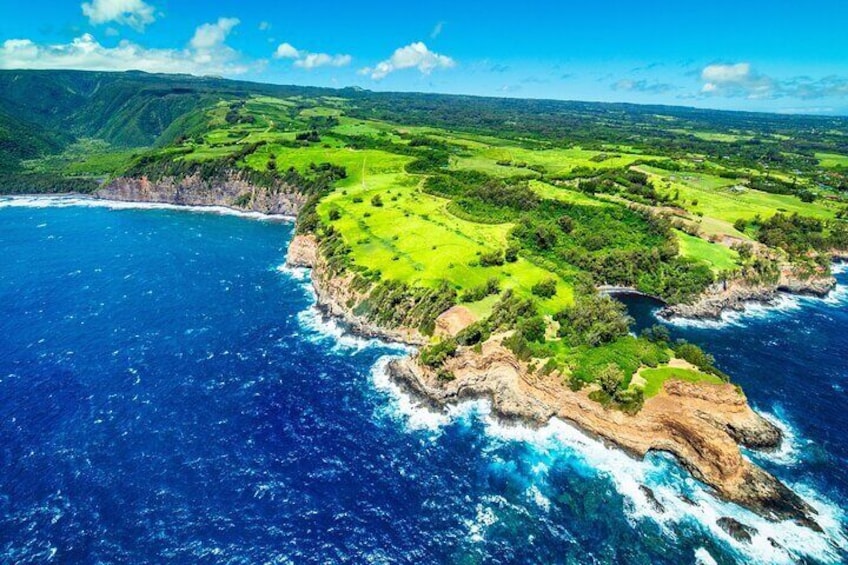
(566, 224)
(532, 329)
(376, 201)
(335, 214)
(545, 289)
(435, 355)
(511, 254)
(477, 332)
(657, 334)
(492, 259)
(491, 286)
(610, 378)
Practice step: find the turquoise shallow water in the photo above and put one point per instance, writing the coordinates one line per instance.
(168, 392)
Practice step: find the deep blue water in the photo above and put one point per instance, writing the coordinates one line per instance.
(167, 393)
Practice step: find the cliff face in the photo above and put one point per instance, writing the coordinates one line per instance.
(702, 425)
(733, 297)
(337, 297)
(231, 191)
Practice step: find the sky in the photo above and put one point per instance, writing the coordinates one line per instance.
(776, 56)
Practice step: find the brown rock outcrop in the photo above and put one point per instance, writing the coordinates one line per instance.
(702, 425)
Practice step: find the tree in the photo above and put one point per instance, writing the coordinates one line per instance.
(376, 201)
(594, 320)
(533, 329)
(610, 379)
(545, 289)
(657, 334)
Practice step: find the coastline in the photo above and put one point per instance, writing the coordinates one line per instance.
(681, 420)
(71, 199)
(737, 296)
(702, 426)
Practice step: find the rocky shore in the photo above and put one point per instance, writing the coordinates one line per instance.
(734, 296)
(232, 192)
(702, 425)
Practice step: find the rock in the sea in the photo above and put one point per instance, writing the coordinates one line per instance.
(736, 529)
(652, 499)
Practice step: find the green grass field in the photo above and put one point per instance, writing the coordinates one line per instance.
(655, 378)
(485, 158)
(413, 238)
(832, 160)
(718, 257)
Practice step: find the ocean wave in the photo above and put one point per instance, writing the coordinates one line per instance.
(790, 448)
(85, 202)
(325, 328)
(679, 501)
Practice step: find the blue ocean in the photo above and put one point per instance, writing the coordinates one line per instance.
(169, 393)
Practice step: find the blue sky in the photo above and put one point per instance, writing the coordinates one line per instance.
(780, 55)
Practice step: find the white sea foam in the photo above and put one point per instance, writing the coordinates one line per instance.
(325, 328)
(782, 304)
(703, 557)
(791, 446)
(82, 201)
(321, 327)
(561, 443)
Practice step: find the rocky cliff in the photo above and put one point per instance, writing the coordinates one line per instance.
(231, 191)
(702, 425)
(337, 297)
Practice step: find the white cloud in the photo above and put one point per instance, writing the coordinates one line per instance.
(437, 30)
(726, 73)
(741, 80)
(209, 36)
(206, 54)
(134, 13)
(738, 79)
(307, 60)
(313, 60)
(264, 26)
(415, 55)
(286, 51)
